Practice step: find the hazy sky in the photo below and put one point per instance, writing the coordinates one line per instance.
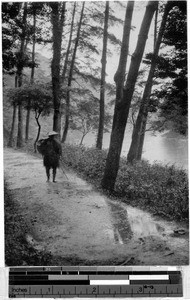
(112, 62)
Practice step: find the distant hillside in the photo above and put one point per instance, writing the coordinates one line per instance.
(42, 72)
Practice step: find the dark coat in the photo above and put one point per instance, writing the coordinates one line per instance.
(51, 154)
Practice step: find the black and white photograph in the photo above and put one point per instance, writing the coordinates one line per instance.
(95, 133)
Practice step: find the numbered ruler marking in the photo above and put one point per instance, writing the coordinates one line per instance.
(90, 290)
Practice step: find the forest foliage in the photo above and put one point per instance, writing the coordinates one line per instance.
(81, 36)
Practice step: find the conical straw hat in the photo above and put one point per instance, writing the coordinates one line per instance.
(52, 133)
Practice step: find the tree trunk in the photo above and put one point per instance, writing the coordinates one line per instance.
(119, 76)
(155, 28)
(102, 83)
(32, 75)
(143, 111)
(68, 46)
(123, 105)
(39, 129)
(141, 141)
(20, 127)
(81, 141)
(57, 18)
(27, 122)
(70, 78)
(10, 142)
(20, 117)
(19, 74)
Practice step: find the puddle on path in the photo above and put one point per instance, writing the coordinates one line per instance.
(121, 226)
(129, 222)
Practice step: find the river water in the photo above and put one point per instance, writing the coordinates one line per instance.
(163, 148)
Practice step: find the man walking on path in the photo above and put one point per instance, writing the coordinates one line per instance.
(51, 151)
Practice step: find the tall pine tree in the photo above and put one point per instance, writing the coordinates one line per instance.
(122, 107)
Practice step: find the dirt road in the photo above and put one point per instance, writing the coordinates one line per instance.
(71, 219)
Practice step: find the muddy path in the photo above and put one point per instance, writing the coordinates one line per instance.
(70, 219)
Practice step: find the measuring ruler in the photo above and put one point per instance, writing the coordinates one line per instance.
(64, 282)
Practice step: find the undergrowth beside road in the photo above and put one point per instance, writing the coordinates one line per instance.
(18, 251)
(161, 189)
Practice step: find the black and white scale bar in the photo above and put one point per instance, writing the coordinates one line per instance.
(50, 282)
(94, 279)
(58, 291)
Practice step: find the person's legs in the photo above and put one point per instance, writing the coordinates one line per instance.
(54, 174)
(48, 173)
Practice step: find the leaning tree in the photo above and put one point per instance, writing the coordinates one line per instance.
(135, 147)
(123, 105)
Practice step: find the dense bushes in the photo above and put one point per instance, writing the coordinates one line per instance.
(164, 189)
(88, 161)
(161, 189)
